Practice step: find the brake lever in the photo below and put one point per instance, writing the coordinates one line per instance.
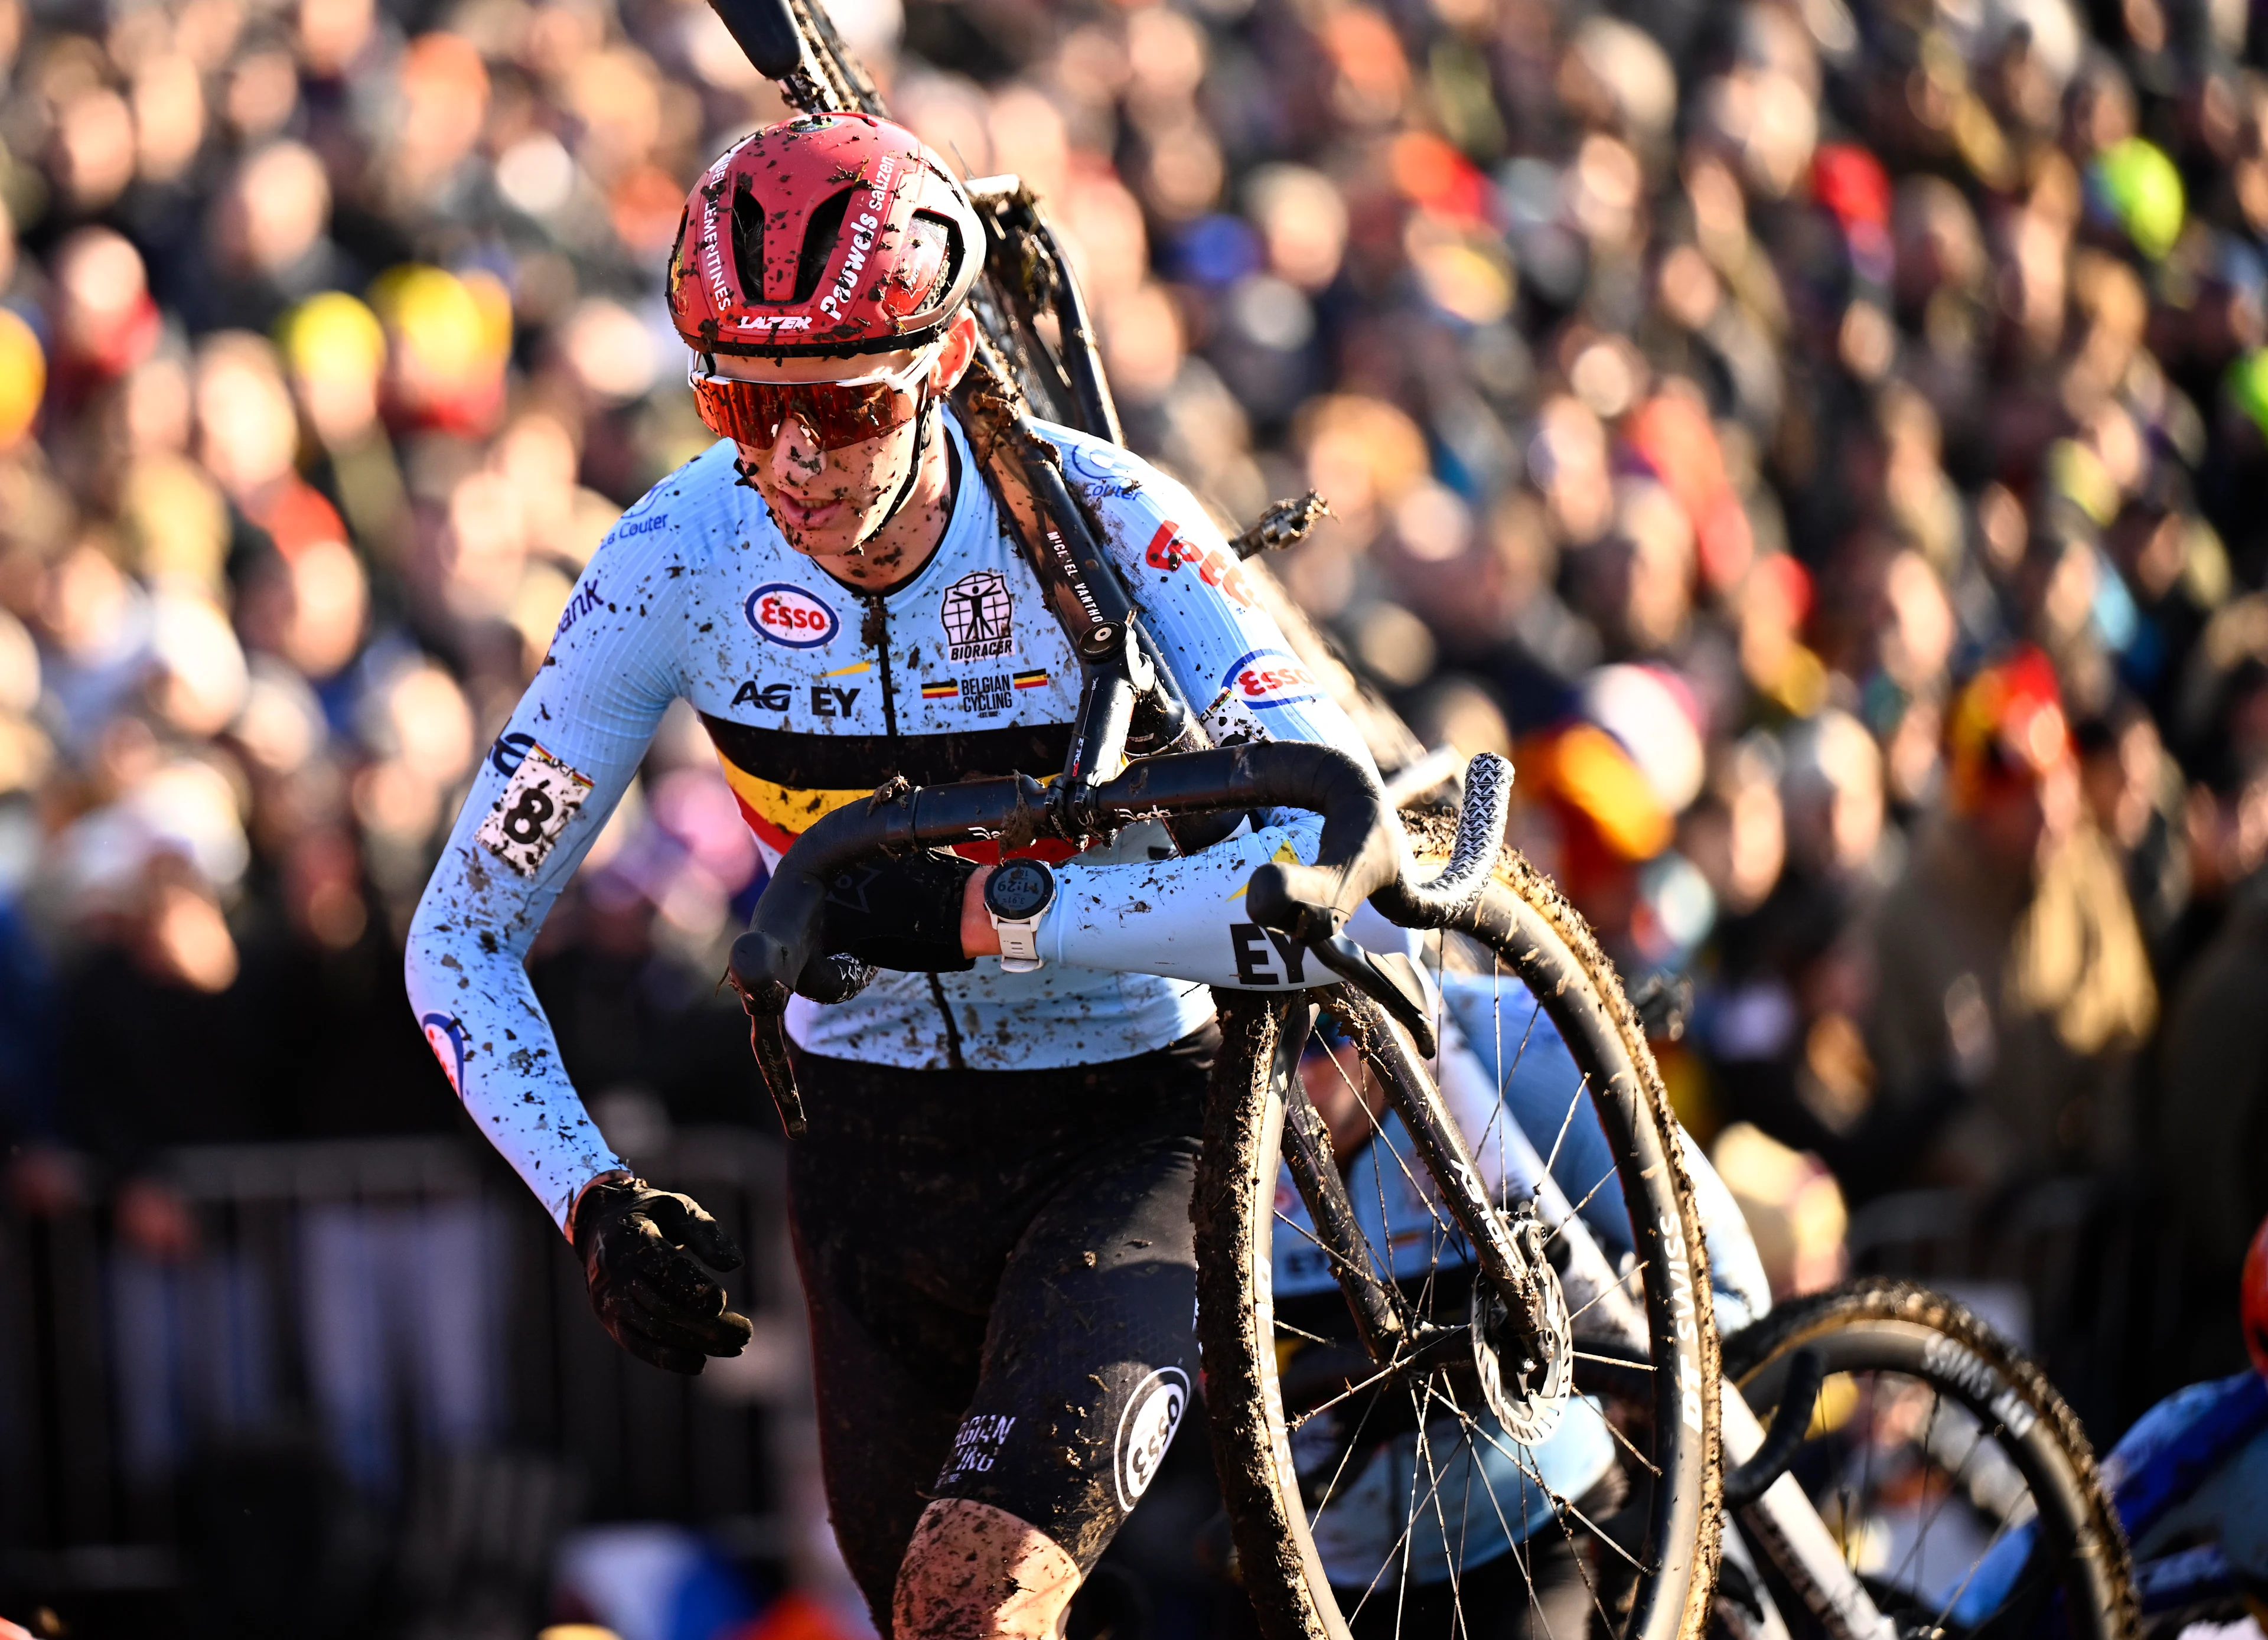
(1388, 978)
(766, 1002)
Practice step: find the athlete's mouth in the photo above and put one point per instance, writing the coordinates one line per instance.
(804, 515)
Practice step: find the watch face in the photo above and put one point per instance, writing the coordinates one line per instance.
(1019, 889)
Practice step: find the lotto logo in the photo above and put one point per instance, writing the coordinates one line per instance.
(447, 1038)
(1169, 549)
(789, 615)
(1268, 678)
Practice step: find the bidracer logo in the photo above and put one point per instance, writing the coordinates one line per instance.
(789, 615)
(978, 613)
(1268, 678)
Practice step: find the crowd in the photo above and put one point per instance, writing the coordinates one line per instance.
(1824, 443)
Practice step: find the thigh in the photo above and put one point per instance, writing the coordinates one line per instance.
(1090, 1360)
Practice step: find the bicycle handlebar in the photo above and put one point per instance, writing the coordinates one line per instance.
(1362, 855)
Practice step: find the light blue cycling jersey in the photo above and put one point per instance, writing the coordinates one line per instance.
(814, 694)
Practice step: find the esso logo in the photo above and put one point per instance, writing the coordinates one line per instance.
(789, 615)
(1153, 1412)
(1268, 678)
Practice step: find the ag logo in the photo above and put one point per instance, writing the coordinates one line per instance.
(1268, 678)
(1153, 1412)
(978, 614)
(789, 615)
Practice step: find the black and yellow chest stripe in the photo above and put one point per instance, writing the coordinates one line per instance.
(787, 778)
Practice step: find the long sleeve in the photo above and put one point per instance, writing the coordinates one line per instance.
(539, 801)
(1185, 918)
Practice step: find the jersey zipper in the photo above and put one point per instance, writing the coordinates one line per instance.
(876, 630)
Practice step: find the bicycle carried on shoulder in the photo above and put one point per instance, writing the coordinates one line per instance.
(1435, 1377)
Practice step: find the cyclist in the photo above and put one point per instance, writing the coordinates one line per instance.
(990, 1209)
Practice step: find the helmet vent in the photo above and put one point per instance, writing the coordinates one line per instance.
(930, 259)
(819, 244)
(748, 244)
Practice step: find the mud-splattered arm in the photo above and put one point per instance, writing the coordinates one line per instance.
(539, 801)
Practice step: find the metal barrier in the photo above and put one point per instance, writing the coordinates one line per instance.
(389, 1331)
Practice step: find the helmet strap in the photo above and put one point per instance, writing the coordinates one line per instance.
(913, 471)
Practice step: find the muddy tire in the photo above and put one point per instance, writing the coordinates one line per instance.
(1923, 1399)
(1645, 1545)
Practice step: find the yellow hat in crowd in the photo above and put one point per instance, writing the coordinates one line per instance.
(23, 378)
(332, 336)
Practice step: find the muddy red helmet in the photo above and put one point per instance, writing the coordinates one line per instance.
(2255, 1305)
(833, 234)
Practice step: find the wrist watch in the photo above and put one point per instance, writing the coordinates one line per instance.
(1016, 897)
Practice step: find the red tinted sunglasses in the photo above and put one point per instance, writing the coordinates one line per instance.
(836, 413)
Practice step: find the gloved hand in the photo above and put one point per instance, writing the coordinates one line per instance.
(902, 913)
(637, 1245)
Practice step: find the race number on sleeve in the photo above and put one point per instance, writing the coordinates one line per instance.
(529, 818)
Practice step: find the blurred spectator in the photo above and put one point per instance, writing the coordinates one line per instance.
(2212, 1118)
(2014, 983)
(162, 1040)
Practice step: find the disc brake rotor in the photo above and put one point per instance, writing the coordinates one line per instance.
(1525, 1380)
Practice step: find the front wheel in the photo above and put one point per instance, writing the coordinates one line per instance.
(1958, 1484)
(1387, 1499)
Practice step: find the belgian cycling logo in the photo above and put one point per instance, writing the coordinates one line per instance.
(1268, 678)
(978, 613)
(977, 1446)
(1153, 1412)
(542, 796)
(789, 615)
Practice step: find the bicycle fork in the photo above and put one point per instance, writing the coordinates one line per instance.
(1526, 1326)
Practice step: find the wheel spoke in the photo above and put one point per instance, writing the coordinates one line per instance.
(1588, 1195)
(1353, 1445)
(1326, 1249)
(1638, 1268)
(1912, 1556)
(1400, 1360)
(1937, 1625)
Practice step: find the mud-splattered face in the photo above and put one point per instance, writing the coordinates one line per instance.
(828, 502)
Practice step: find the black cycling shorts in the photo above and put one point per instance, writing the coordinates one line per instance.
(1003, 1290)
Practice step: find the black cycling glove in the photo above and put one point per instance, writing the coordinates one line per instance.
(902, 913)
(637, 1245)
